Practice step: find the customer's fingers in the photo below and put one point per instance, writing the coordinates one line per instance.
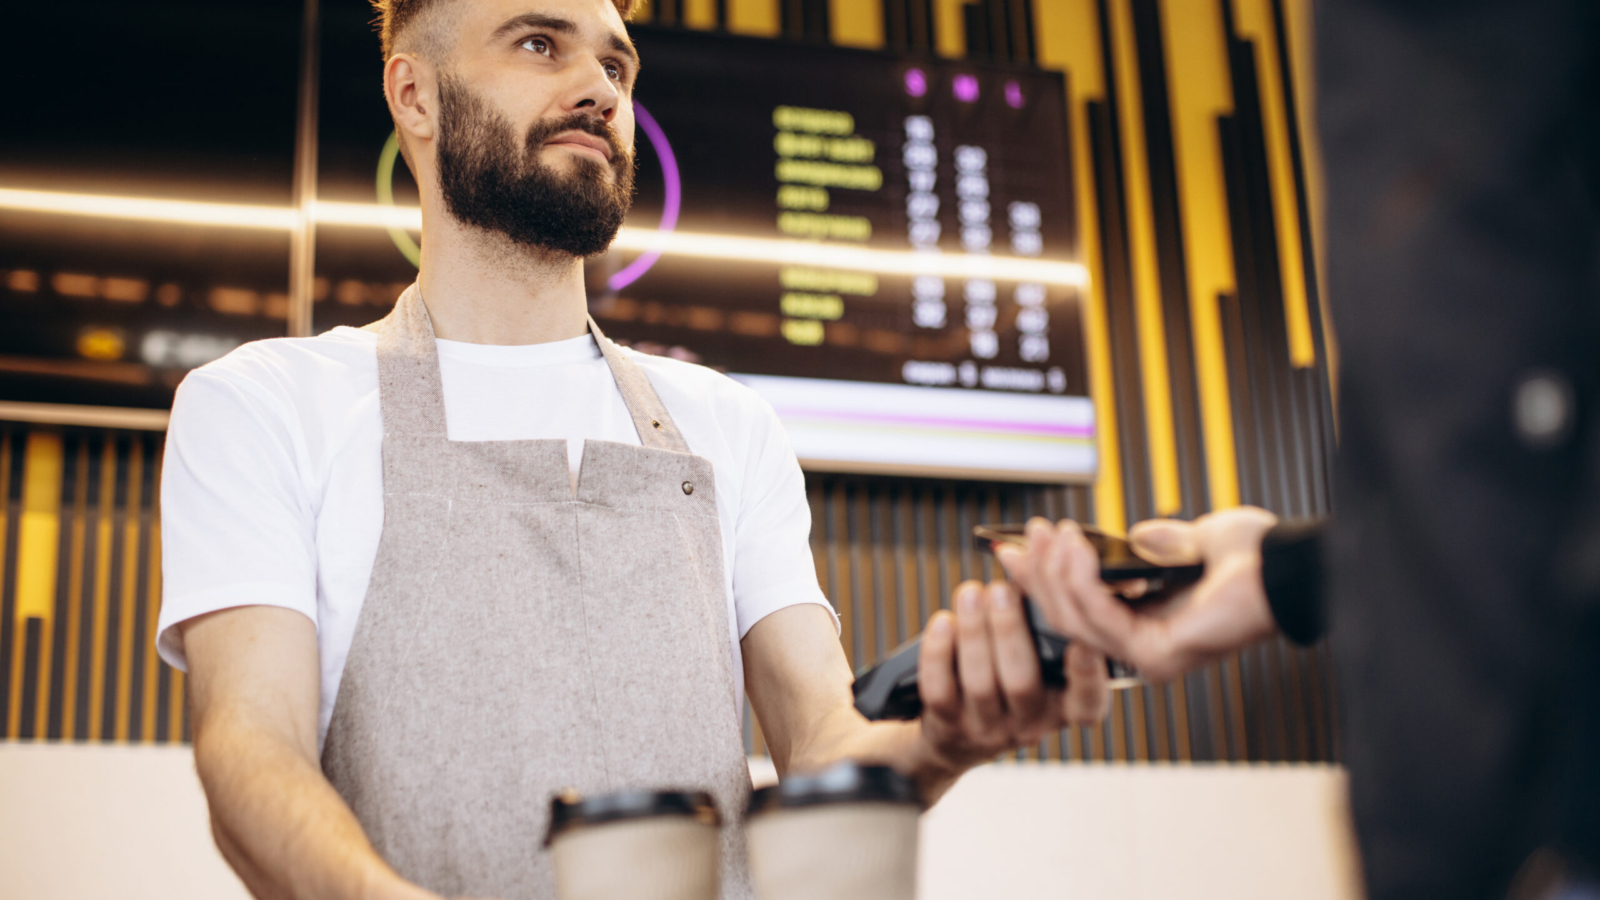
(1143, 640)
(1080, 572)
(1016, 662)
(1021, 563)
(1057, 596)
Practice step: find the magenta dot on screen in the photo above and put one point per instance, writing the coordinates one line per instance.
(966, 88)
(1013, 95)
(916, 82)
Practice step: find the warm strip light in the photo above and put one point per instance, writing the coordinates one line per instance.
(834, 256)
(145, 209)
(367, 215)
(674, 243)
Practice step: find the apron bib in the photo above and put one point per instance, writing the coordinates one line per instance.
(517, 639)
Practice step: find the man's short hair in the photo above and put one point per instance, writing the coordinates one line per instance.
(395, 16)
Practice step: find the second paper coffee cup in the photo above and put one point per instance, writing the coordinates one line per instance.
(634, 845)
(846, 833)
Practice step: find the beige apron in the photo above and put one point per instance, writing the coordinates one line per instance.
(517, 639)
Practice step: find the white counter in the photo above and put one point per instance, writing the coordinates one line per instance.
(129, 822)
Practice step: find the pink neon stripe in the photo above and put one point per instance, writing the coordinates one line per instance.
(943, 423)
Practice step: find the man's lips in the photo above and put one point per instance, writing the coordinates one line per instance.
(582, 142)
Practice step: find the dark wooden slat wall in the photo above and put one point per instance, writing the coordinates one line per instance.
(889, 552)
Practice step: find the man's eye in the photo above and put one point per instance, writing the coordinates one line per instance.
(613, 71)
(537, 45)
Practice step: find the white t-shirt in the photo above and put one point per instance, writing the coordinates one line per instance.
(272, 490)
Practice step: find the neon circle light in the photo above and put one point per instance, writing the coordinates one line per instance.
(670, 206)
(402, 238)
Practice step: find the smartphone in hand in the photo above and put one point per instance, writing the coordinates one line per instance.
(1118, 562)
(889, 690)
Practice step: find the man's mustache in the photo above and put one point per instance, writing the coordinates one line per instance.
(543, 131)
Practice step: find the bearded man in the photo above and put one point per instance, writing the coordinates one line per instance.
(425, 574)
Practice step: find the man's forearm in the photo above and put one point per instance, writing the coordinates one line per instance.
(844, 734)
(280, 824)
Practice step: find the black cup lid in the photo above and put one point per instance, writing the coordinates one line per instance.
(845, 782)
(570, 809)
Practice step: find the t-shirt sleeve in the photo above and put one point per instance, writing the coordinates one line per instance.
(773, 567)
(236, 526)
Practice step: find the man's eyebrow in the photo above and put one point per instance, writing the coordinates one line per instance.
(625, 47)
(561, 26)
(534, 20)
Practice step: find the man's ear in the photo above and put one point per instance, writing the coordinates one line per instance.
(411, 85)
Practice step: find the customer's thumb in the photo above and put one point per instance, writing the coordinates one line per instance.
(1165, 542)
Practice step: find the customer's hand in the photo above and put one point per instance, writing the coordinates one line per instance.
(980, 683)
(1163, 637)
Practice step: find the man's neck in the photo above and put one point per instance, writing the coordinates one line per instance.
(480, 288)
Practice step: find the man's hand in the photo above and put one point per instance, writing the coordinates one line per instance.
(979, 679)
(1225, 611)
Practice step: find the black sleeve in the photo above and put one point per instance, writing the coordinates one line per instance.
(1291, 571)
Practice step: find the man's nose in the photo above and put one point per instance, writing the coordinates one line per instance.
(595, 93)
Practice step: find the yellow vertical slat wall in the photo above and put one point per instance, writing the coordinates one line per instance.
(80, 587)
(1067, 41)
(80, 533)
(1256, 24)
(1143, 263)
(1200, 89)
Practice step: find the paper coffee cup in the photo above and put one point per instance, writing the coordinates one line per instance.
(634, 845)
(846, 833)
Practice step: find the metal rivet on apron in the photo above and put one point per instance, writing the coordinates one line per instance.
(688, 487)
(654, 423)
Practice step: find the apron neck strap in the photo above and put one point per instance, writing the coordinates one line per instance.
(412, 395)
(656, 428)
(409, 390)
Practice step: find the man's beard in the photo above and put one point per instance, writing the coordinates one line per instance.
(491, 183)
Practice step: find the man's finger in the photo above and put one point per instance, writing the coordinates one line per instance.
(1088, 696)
(1016, 660)
(980, 691)
(936, 669)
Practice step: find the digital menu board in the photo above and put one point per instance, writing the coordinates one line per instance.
(858, 150)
